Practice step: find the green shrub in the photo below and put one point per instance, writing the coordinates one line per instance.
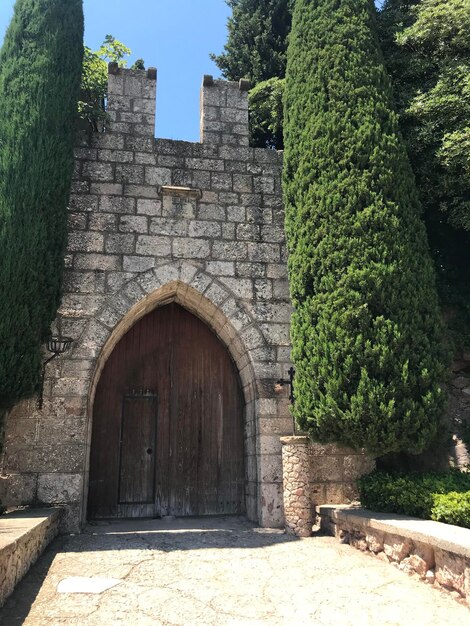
(452, 508)
(441, 496)
(366, 333)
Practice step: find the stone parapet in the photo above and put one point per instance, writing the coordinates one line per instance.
(24, 535)
(438, 553)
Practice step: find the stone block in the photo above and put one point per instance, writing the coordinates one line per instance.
(58, 488)
(375, 541)
(211, 212)
(85, 242)
(17, 489)
(146, 158)
(133, 224)
(221, 181)
(252, 270)
(229, 251)
(149, 207)
(357, 466)
(240, 287)
(216, 294)
(83, 202)
(450, 570)
(149, 245)
(117, 204)
(97, 171)
(115, 280)
(45, 459)
(116, 156)
(187, 248)
(270, 513)
(103, 262)
(204, 228)
(157, 176)
(141, 191)
(168, 226)
(326, 468)
(137, 263)
(221, 268)
(129, 173)
(264, 252)
(103, 222)
(396, 547)
(179, 208)
(77, 221)
(120, 244)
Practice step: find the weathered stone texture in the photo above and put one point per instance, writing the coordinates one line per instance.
(136, 242)
(24, 536)
(315, 474)
(438, 553)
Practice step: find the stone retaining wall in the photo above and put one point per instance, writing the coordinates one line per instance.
(24, 536)
(315, 474)
(438, 553)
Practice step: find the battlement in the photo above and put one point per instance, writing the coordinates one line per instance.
(132, 106)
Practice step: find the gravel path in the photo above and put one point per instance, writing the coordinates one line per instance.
(221, 572)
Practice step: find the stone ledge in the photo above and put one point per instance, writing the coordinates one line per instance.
(24, 535)
(438, 553)
(436, 534)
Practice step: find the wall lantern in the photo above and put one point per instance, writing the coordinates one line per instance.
(290, 381)
(56, 345)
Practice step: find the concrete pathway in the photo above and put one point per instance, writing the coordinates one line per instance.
(221, 572)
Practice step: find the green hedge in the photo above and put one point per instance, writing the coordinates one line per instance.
(440, 496)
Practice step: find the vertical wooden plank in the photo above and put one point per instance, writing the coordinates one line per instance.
(137, 450)
(199, 460)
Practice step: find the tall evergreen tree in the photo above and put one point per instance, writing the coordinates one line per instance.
(366, 330)
(40, 69)
(257, 41)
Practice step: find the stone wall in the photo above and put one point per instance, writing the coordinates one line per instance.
(151, 221)
(23, 538)
(315, 474)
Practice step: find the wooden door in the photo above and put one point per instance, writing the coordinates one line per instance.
(167, 433)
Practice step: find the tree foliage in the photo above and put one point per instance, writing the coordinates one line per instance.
(40, 68)
(257, 41)
(94, 88)
(266, 114)
(256, 48)
(426, 45)
(365, 330)
(427, 51)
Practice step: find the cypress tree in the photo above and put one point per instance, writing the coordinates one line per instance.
(40, 70)
(256, 46)
(366, 331)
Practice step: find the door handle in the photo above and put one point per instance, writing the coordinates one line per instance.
(149, 450)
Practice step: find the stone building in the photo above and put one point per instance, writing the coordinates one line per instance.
(193, 231)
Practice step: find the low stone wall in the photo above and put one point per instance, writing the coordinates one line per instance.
(315, 474)
(24, 535)
(438, 553)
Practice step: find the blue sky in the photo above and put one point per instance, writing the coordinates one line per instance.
(176, 36)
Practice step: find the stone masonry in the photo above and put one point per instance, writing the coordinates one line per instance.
(316, 474)
(154, 221)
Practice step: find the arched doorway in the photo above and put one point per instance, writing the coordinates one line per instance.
(168, 433)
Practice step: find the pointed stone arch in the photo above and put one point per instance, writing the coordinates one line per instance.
(209, 300)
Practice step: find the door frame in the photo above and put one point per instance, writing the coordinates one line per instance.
(211, 315)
